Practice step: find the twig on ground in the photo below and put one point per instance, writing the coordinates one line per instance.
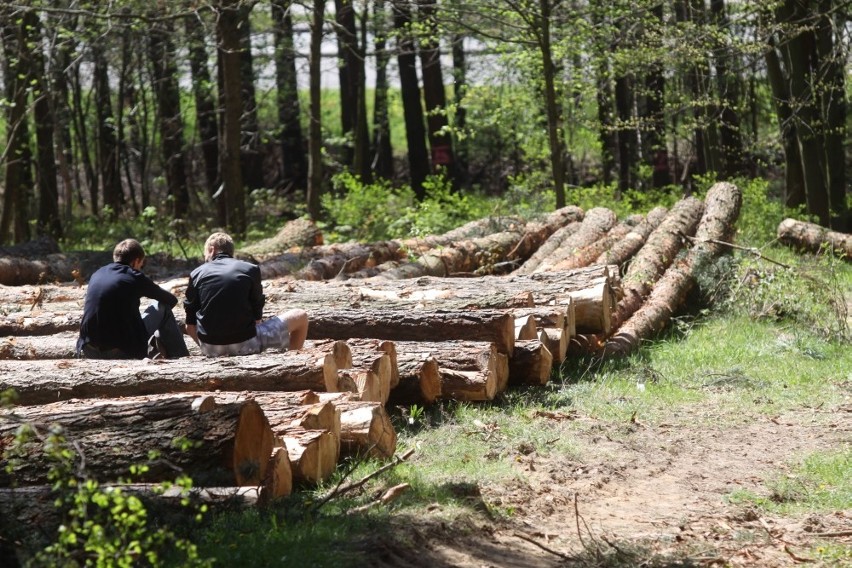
(387, 497)
(832, 534)
(341, 489)
(795, 557)
(543, 547)
(750, 250)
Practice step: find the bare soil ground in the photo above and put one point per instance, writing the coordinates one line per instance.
(642, 496)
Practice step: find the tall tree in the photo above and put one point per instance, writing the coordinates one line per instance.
(233, 191)
(294, 161)
(173, 148)
(381, 160)
(415, 132)
(108, 152)
(251, 156)
(433, 91)
(655, 150)
(460, 114)
(315, 169)
(353, 103)
(728, 84)
(48, 221)
(205, 108)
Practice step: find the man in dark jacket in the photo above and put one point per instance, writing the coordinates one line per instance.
(112, 326)
(224, 306)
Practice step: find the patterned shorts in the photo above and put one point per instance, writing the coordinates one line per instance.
(271, 334)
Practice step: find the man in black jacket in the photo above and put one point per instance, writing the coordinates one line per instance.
(112, 327)
(224, 306)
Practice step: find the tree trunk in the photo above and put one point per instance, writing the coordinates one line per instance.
(812, 237)
(531, 363)
(717, 225)
(48, 221)
(108, 153)
(399, 325)
(728, 83)
(294, 162)
(313, 454)
(433, 93)
(229, 47)
(627, 142)
(626, 247)
(597, 222)
(38, 382)
(460, 115)
(553, 107)
(228, 444)
(381, 160)
(353, 108)
(419, 380)
(415, 132)
(656, 150)
(251, 154)
(588, 254)
(165, 76)
(205, 110)
(315, 170)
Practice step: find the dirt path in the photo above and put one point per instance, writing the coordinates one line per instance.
(645, 495)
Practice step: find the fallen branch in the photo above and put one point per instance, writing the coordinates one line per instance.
(751, 250)
(544, 548)
(387, 497)
(341, 489)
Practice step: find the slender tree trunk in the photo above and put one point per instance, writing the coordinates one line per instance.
(48, 222)
(230, 67)
(553, 107)
(251, 154)
(171, 124)
(84, 148)
(315, 170)
(382, 152)
(108, 154)
(728, 84)
(293, 158)
(656, 150)
(626, 132)
(17, 130)
(415, 132)
(460, 117)
(434, 95)
(352, 75)
(126, 97)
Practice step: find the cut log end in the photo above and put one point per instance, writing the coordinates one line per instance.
(253, 444)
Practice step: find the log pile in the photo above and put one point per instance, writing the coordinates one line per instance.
(383, 333)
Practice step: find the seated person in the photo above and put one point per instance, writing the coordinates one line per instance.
(112, 327)
(224, 306)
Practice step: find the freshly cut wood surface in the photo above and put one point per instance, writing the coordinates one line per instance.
(38, 382)
(230, 444)
(419, 380)
(398, 325)
(313, 453)
(365, 427)
(812, 237)
(530, 364)
(383, 346)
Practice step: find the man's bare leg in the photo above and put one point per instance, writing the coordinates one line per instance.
(297, 327)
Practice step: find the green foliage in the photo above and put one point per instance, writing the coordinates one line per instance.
(443, 209)
(103, 526)
(364, 212)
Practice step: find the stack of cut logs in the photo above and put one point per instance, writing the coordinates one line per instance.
(391, 324)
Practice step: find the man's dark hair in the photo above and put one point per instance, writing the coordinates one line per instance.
(128, 251)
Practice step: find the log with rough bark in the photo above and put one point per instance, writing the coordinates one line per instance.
(658, 253)
(531, 364)
(363, 383)
(812, 238)
(340, 260)
(717, 225)
(298, 233)
(525, 327)
(38, 382)
(471, 230)
(588, 254)
(378, 363)
(483, 325)
(623, 250)
(547, 247)
(365, 427)
(40, 322)
(313, 453)
(469, 370)
(339, 350)
(278, 481)
(59, 346)
(419, 380)
(597, 223)
(228, 444)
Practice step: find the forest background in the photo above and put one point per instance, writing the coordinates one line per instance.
(369, 117)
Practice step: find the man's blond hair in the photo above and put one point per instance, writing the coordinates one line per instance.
(127, 251)
(218, 243)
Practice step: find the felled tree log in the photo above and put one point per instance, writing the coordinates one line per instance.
(382, 346)
(365, 427)
(313, 453)
(345, 258)
(530, 364)
(40, 322)
(482, 325)
(419, 380)
(597, 222)
(59, 346)
(556, 341)
(812, 237)
(230, 444)
(469, 370)
(301, 233)
(378, 363)
(471, 230)
(624, 249)
(548, 247)
(588, 254)
(722, 208)
(659, 252)
(39, 382)
(339, 350)
(361, 382)
(525, 327)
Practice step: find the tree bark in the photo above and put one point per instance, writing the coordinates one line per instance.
(590, 253)
(717, 226)
(531, 363)
(365, 427)
(419, 380)
(406, 325)
(229, 444)
(597, 222)
(313, 454)
(624, 249)
(39, 382)
(812, 237)
(315, 170)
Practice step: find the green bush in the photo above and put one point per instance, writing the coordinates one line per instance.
(364, 212)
